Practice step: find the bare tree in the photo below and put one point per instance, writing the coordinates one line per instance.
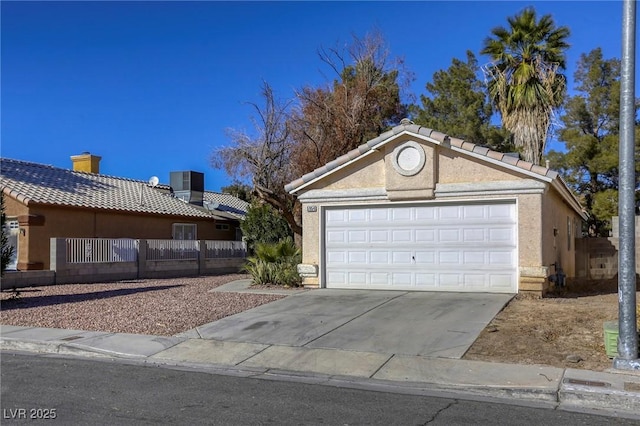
(293, 138)
(265, 157)
(363, 99)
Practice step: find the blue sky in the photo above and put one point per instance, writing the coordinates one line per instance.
(152, 86)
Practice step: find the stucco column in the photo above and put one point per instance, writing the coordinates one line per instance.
(142, 258)
(202, 247)
(58, 256)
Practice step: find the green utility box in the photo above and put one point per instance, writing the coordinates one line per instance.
(611, 338)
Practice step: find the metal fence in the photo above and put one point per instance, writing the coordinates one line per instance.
(172, 249)
(223, 249)
(101, 250)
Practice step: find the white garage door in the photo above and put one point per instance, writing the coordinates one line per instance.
(431, 247)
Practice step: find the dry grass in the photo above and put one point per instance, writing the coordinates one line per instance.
(546, 331)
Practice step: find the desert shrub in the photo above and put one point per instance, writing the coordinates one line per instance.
(275, 264)
(263, 224)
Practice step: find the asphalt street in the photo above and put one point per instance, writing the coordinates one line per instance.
(74, 391)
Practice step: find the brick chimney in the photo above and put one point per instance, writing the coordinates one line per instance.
(86, 162)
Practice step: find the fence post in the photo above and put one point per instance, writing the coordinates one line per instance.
(142, 258)
(58, 256)
(202, 256)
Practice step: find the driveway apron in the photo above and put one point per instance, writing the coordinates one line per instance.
(390, 322)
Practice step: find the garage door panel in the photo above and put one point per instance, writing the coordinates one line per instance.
(449, 257)
(425, 257)
(337, 257)
(425, 235)
(474, 257)
(357, 257)
(474, 212)
(425, 213)
(356, 279)
(501, 281)
(338, 279)
(471, 235)
(424, 280)
(466, 247)
(357, 215)
(449, 280)
(379, 215)
(500, 235)
(504, 211)
(401, 214)
(379, 257)
(357, 236)
(379, 236)
(401, 235)
(337, 236)
(500, 258)
(402, 257)
(449, 212)
(449, 236)
(475, 281)
(379, 278)
(402, 279)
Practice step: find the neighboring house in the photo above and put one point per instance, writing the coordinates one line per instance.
(415, 209)
(43, 201)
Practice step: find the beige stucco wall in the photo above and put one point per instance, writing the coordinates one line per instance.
(368, 172)
(459, 168)
(539, 210)
(560, 248)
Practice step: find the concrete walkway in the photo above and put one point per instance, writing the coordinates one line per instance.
(611, 393)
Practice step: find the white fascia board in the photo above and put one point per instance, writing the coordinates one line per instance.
(568, 196)
(339, 195)
(503, 187)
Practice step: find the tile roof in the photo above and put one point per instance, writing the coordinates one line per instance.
(227, 203)
(443, 139)
(43, 184)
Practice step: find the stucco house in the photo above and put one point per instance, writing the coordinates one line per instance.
(43, 202)
(415, 209)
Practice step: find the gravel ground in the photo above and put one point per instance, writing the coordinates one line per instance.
(162, 307)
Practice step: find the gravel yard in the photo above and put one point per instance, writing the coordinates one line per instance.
(162, 307)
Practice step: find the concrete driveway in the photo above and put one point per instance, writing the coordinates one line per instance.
(390, 322)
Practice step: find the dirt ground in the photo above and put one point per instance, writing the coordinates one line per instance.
(548, 330)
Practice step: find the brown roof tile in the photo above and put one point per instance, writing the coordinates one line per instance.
(39, 183)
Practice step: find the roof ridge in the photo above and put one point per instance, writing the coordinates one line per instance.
(51, 166)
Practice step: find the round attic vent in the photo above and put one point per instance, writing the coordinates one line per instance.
(408, 159)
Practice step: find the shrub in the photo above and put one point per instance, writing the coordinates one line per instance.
(263, 224)
(275, 264)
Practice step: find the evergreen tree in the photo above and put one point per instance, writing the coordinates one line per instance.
(458, 106)
(239, 190)
(591, 136)
(263, 224)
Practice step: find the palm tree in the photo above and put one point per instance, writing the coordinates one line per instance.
(525, 83)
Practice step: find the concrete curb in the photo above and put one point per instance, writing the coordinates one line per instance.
(601, 393)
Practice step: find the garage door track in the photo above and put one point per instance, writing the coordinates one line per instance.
(390, 322)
